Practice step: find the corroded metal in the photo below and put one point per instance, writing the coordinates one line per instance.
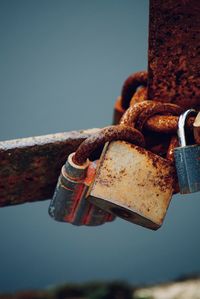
(133, 91)
(174, 52)
(118, 111)
(158, 123)
(156, 108)
(133, 184)
(107, 134)
(166, 123)
(29, 167)
(138, 114)
(69, 203)
(139, 96)
(130, 86)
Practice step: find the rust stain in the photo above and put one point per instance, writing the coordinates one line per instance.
(107, 134)
(29, 167)
(174, 62)
(130, 86)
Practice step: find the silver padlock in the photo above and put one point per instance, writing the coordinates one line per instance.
(133, 183)
(187, 159)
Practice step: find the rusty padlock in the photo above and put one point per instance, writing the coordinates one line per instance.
(131, 182)
(68, 203)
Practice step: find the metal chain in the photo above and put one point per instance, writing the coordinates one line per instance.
(140, 114)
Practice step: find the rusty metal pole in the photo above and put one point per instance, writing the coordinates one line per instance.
(174, 52)
(29, 167)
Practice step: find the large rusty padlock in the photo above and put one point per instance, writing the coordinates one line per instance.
(131, 182)
(68, 203)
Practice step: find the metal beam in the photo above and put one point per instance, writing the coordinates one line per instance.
(174, 52)
(29, 167)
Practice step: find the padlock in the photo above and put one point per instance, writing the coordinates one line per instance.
(187, 159)
(133, 183)
(68, 203)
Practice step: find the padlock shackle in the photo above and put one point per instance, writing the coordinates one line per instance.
(181, 126)
(107, 134)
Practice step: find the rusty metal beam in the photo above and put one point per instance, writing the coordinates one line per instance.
(174, 52)
(29, 167)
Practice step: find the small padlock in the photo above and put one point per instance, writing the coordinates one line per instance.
(68, 203)
(133, 183)
(187, 159)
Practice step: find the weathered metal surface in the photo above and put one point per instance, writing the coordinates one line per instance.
(29, 167)
(174, 52)
(166, 123)
(107, 134)
(133, 184)
(157, 123)
(138, 114)
(118, 111)
(139, 96)
(134, 90)
(130, 87)
(69, 203)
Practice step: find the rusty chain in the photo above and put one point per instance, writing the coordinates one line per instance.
(107, 134)
(158, 118)
(138, 116)
(130, 87)
(158, 123)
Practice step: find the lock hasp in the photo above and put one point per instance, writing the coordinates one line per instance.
(133, 184)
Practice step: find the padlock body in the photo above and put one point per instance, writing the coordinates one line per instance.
(187, 161)
(70, 205)
(133, 183)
